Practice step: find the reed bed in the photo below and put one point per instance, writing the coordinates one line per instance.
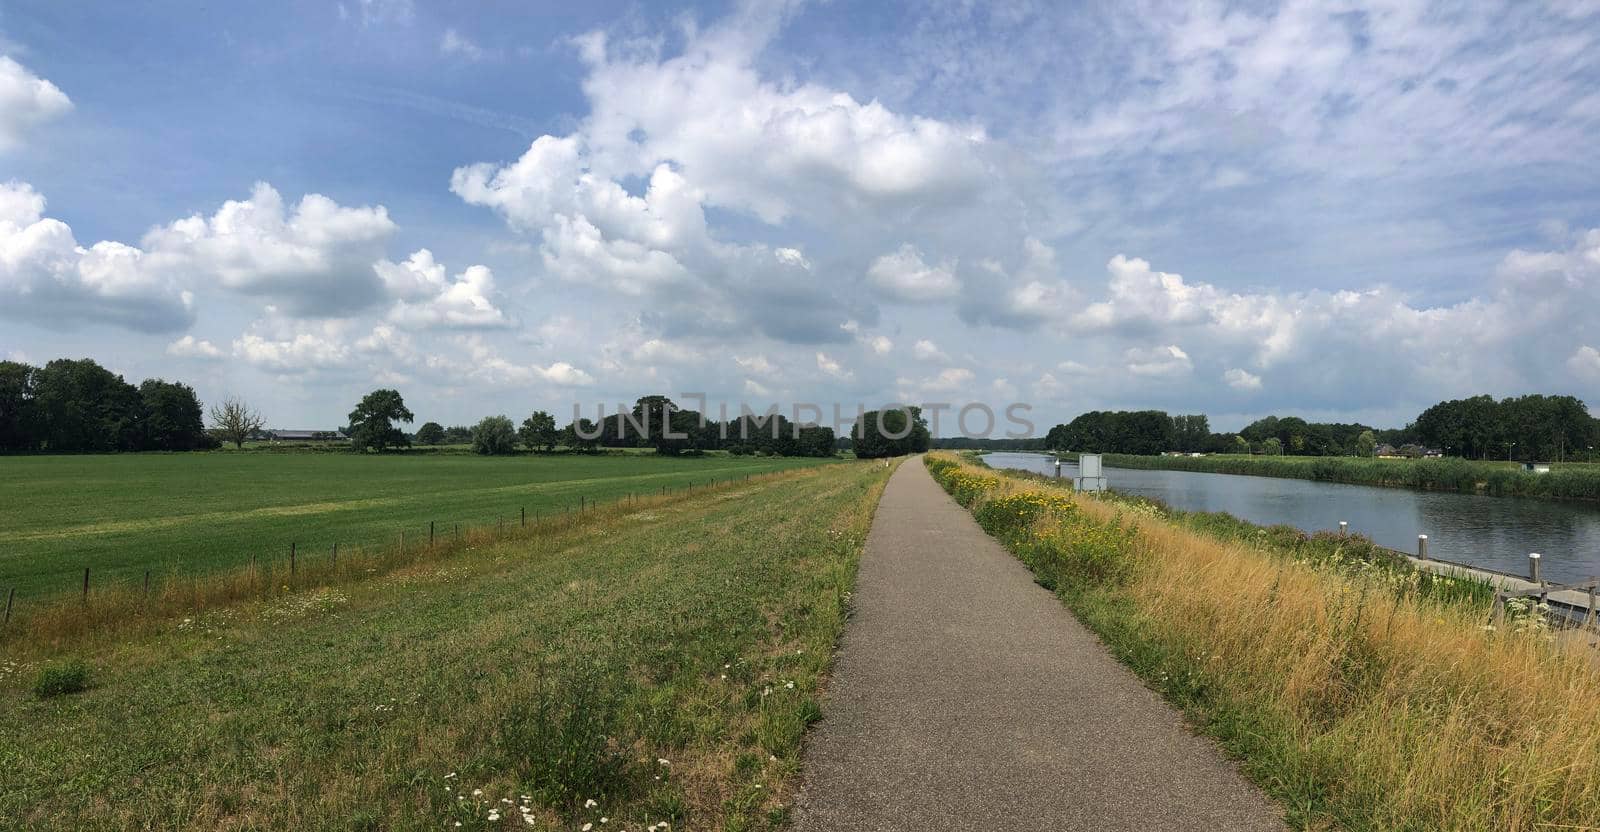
(1359, 693)
(1501, 479)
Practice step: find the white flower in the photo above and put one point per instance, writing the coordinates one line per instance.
(664, 761)
(477, 792)
(590, 804)
(789, 685)
(587, 827)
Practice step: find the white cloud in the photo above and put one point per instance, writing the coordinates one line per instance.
(315, 259)
(832, 367)
(904, 276)
(301, 351)
(191, 347)
(1241, 379)
(26, 101)
(1585, 362)
(45, 275)
(757, 364)
(424, 299)
(454, 44)
(949, 380)
(926, 350)
(880, 344)
(1164, 361)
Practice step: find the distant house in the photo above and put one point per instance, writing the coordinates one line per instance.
(1387, 451)
(1536, 467)
(307, 436)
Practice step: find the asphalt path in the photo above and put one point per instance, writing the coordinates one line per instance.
(967, 697)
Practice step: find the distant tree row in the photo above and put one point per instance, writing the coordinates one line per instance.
(653, 422)
(1534, 427)
(78, 405)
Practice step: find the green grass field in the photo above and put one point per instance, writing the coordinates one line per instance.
(662, 662)
(120, 515)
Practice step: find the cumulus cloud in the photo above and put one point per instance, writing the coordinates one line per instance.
(1241, 379)
(45, 275)
(903, 275)
(706, 131)
(1164, 361)
(1585, 363)
(314, 258)
(926, 350)
(832, 367)
(302, 351)
(26, 101)
(425, 299)
(191, 347)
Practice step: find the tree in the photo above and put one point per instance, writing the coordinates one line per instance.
(234, 421)
(1366, 443)
(494, 436)
(1241, 445)
(539, 432)
(891, 433)
(19, 424)
(1272, 446)
(582, 435)
(82, 406)
(431, 433)
(173, 420)
(372, 422)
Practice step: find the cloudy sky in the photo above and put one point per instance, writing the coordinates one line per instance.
(1341, 210)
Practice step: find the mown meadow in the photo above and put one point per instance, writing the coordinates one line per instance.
(185, 514)
(1359, 692)
(647, 667)
(1572, 481)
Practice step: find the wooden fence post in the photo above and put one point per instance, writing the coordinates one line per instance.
(1422, 547)
(86, 583)
(147, 583)
(292, 553)
(524, 511)
(1344, 529)
(430, 534)
(1533, 567)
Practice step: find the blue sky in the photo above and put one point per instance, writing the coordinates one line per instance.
(1342, 210)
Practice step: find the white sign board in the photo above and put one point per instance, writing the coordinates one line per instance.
(1089, 465)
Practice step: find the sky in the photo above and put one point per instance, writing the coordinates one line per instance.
(1345, 211)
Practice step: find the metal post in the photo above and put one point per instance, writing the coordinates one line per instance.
(86, 583)
(1533, 567)
(430, 534)
(1422, 547)
(1344, 528)
(524, 515)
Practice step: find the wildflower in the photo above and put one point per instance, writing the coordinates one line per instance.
(789, 685)
(493, 815)
(587, 827)
(664, 761)
(590, 804)
(477, 792)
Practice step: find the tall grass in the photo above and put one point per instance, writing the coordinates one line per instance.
(1360, 696)
(1570, 482)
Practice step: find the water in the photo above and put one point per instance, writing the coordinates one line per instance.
(1491, 532)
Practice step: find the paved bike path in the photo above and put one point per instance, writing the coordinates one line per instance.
(966, 697)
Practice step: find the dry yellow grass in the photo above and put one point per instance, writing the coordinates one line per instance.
(1359, 703)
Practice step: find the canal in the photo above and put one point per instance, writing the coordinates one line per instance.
(1490, 532)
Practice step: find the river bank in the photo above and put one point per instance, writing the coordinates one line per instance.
(1333, 672)
(1496, 479)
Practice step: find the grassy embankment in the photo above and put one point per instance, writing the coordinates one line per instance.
(1360, 693)
(662, 661)
(1572, 481)
(190, 514)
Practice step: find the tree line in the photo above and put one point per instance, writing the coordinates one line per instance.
(1532, 427)
(78, 405)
